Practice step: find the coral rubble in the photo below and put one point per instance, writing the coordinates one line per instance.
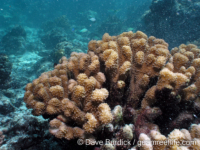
(127, 87)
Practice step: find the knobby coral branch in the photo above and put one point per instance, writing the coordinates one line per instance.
(127, 87)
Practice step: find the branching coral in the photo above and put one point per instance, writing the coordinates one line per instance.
(176, 140)
(127, 87)
(131, 56)
(79, 101)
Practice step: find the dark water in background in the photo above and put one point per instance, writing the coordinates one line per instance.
(35, 34)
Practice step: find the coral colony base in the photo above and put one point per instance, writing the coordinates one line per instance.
(128, 87)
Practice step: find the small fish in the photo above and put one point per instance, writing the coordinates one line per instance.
(83, 30)
(92, 19)
(130, 29)
(114, 10)
(73, 29)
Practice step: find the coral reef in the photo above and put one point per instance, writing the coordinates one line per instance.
(177, 139)
(172, 19)
(22, 130)
(127, 87)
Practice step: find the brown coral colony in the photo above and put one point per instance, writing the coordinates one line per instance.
(130, 85)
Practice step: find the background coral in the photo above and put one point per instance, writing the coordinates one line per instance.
(172, 19)
(55, 31)
(59, 22)
(14, 41)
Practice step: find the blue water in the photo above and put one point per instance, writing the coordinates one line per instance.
(35, 34)
(37, 12)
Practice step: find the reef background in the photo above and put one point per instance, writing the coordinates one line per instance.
(35, 34)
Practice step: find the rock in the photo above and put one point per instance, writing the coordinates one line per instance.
(14, 41)
(5, 71)
(5, 106)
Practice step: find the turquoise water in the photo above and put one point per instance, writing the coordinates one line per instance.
(35, 34)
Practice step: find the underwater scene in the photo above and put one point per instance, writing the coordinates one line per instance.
(100, 74)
